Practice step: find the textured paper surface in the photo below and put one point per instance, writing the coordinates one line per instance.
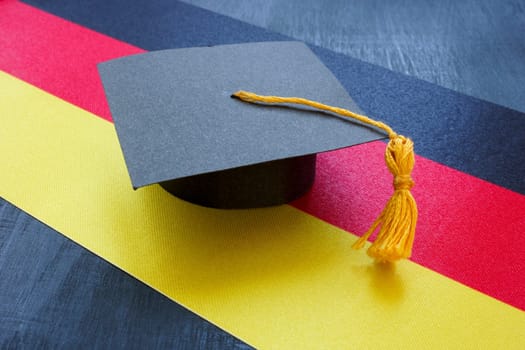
(36, 47)
(473, 235)
(277, 278)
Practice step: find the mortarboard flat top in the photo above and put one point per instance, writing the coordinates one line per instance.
(178, 126)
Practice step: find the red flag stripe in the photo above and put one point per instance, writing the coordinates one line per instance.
(56, 55)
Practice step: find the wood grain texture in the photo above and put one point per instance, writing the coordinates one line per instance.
(474, 47)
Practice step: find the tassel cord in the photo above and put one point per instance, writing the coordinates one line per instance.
(254, 98)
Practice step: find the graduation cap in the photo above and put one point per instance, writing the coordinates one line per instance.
(179, 127)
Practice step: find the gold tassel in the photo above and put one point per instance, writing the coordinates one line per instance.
(397, 221)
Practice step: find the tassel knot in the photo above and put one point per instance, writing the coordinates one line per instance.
(399, 158)
(403, 182)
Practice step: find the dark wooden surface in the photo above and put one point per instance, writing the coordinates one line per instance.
(62, 296)
(476, 47)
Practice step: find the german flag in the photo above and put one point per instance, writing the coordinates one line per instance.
(86, 262)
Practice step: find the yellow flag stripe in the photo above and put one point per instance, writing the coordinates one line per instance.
(274, 277)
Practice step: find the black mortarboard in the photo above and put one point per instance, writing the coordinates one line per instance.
(178, 126)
